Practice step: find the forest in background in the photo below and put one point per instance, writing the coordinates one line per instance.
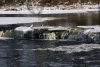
(48, 2)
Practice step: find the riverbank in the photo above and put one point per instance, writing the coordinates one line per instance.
(57, 9)
(50, 11)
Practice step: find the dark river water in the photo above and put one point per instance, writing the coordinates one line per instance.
(89, 18)
(28, 53)
(70, 19)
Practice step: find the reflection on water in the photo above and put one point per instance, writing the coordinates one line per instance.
(89, 18)
(70, 19)
(25, 53)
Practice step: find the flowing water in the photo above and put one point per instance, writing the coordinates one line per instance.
(29, 53)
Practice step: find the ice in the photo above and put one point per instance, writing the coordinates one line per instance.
(96, 30)
(89, 27)
(19, 20)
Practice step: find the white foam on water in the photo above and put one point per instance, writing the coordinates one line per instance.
(70, 48)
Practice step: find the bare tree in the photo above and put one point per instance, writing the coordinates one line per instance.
(34, 6)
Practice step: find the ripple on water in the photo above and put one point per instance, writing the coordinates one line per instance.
(24, 53)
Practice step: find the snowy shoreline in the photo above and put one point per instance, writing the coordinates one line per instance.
(58, 9)
(49, 11)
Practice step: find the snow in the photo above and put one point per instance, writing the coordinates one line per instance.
(21, 28)
(87, 31)
(49, 11)
(57, 9)
(91, 6)
(96, 30)
(89, 27)
(19, 20)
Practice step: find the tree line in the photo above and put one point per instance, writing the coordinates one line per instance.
(47, 2)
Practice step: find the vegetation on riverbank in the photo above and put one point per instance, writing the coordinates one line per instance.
(48, 2)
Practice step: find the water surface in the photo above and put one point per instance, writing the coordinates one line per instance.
(29, 53)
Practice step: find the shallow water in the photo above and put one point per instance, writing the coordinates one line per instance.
(29, 53)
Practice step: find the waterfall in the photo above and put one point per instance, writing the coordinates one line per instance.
(6, 33)
(1, 33)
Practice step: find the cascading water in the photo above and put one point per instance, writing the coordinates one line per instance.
(6, 33)
(1, 33)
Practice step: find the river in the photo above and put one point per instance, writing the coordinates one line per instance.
(30, 53)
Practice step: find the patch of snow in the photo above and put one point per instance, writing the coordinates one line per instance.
(89, 27)
(19, 20)
(49, 10)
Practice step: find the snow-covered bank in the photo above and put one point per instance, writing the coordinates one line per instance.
(57, 9)
(49, 11)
